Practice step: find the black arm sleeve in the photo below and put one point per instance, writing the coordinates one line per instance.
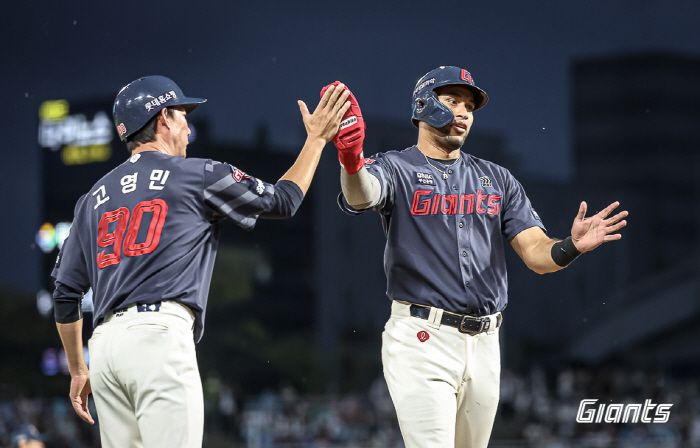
(285, 202)
(66, 307)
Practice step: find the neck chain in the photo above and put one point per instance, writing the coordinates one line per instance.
(444, 172)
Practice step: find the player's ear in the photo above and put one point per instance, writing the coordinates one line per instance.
(163, 117)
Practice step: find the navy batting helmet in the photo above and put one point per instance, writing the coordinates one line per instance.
(426, 105)
(140, 100)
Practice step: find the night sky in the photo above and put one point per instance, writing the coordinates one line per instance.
(253, 60)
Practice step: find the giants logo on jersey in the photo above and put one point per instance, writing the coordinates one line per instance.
(428, 202)
(237, 174)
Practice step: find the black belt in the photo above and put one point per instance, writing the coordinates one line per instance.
(140, 307)
(464, 323)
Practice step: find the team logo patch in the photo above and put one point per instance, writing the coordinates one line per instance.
(134, 158)
(237, 174)
(423, 336)
(424, 178)
(260, 187)
(369, 161)
(121, 129)
(467, 76)
(485, 181)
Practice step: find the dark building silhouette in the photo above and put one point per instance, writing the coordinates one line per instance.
(636, 135)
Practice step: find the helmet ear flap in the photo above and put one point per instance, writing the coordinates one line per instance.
(428, 108)
(426, 105)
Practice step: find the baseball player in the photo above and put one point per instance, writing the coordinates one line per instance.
(445, 215)
(144, 238)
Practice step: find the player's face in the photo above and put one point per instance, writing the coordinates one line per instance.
(180, 130)
(460, 101)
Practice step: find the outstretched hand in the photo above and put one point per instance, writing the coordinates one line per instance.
(325, 120)
(589, 233)
(79, 391)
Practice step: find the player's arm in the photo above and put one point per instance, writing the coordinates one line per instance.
(69, 323)
(321, 126)
(69, 272)
(534, 247)
(361, 190)
(543, 254)
(72, 339)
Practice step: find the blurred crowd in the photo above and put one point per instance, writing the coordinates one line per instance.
(537, 409)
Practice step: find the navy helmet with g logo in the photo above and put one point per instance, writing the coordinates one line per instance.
(140, 100)
(426, 105)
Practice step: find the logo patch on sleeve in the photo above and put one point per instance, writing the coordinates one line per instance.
(237, 174)
(259, 187)
(424, 178)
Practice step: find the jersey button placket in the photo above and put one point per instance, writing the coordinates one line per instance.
(463, 228)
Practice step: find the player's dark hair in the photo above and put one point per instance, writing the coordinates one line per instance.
(147, 133)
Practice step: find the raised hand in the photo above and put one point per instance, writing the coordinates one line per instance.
(589, 233)
(325, 120)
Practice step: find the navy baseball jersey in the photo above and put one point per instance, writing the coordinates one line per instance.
(445, 245)
(147, 232)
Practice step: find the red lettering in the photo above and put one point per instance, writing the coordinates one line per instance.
(427, 202)
(494, 204)
(449, 204)
(420, 205)
(467, 76)
(436, 204)
(159, 210)
(105, 238)
(469, 198)
(480, 198)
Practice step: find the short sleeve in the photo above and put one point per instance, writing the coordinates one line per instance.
(519, 213)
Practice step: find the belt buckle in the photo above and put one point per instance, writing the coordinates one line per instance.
(484, 325)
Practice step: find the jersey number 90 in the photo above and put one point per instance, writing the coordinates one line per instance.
(123, 237)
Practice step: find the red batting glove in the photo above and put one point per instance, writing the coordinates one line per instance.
(350, 136)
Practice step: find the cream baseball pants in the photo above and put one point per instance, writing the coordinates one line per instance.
(444, 383)
(145, 379)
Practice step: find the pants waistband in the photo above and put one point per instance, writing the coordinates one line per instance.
(164, 307)
(465, 323)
